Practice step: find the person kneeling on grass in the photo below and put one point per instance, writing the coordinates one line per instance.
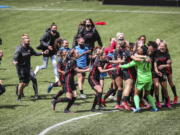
(144, 78)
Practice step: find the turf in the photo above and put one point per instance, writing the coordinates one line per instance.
(32, 116)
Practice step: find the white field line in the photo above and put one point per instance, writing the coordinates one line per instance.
(92, 10)
(65, 122)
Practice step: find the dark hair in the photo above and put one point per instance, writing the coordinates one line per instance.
(53, 24)
(141, 37)
(144, 48)
(153, 44)
(90, 21)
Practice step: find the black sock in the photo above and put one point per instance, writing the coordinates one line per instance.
(126, 98)
(99, 98)
(166, 100)
(114, 93)
(174, 90)
(35, 87)
(162, 94)
(81, 91)
(70, 103)
(152, 91)
(60, 93)
(157, 98)
(108, 93)
(119, 96)
(55, 84)
(62, 100)
(95, 102)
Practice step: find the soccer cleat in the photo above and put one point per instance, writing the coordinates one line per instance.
(19, 98)
(168, 104)
(137, 110)
(83, 96)
(111, 97)
(36, 97)
(50, 87)
(67, 111)
(103, 102)
(126, 106)
(154, 109)
(53, 104)
(119, 107)
(175, 100)
(158, 104)
(93, 109)
(100, 108)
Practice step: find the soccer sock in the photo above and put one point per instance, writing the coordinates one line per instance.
(174, 90)
(152, 91)
(95, 102)
(151, 101)
(119, 96)
(136, 101)
(61, 92)
(81, 91)
(62, 100)
(110, 91)
(55, 84)
(126, 98)
(35, 87)
(162, 93)
(157, 98)
(70, 103)
(99, 98)
(114, 93)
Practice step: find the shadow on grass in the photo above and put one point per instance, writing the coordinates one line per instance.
(3, 69)
(9, 85)
(11, 106)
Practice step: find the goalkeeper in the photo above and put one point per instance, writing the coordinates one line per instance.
(144, 77)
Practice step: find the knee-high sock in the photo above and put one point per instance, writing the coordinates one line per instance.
(70, 103)
(99, 98)
(110, 91)
(136, 101)
(151, 101)
(62, 100)
(119, 97)
(95, 102)
(61, 92)
(174, 90)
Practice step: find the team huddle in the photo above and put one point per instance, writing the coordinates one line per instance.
(135, 69)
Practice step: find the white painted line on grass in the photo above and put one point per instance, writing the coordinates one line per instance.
(92, 10)
(67, 121)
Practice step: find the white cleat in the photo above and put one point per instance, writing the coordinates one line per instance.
(83, 96)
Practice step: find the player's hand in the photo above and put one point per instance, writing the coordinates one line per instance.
(46, 52)
(15, 62)
(50, 48)
(159, 73)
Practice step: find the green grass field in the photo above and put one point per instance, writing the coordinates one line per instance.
(30, 117)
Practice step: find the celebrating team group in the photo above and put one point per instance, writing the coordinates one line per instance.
(136, 70)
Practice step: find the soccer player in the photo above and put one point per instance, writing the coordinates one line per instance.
(94, 79)
(22, 60)
(162, 62)
(70, 88)
(65, 48)
(144, 79)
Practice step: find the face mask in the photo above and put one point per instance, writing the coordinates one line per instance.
(88, 25)
(121, 39)
(54, 31)
(81, 45)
